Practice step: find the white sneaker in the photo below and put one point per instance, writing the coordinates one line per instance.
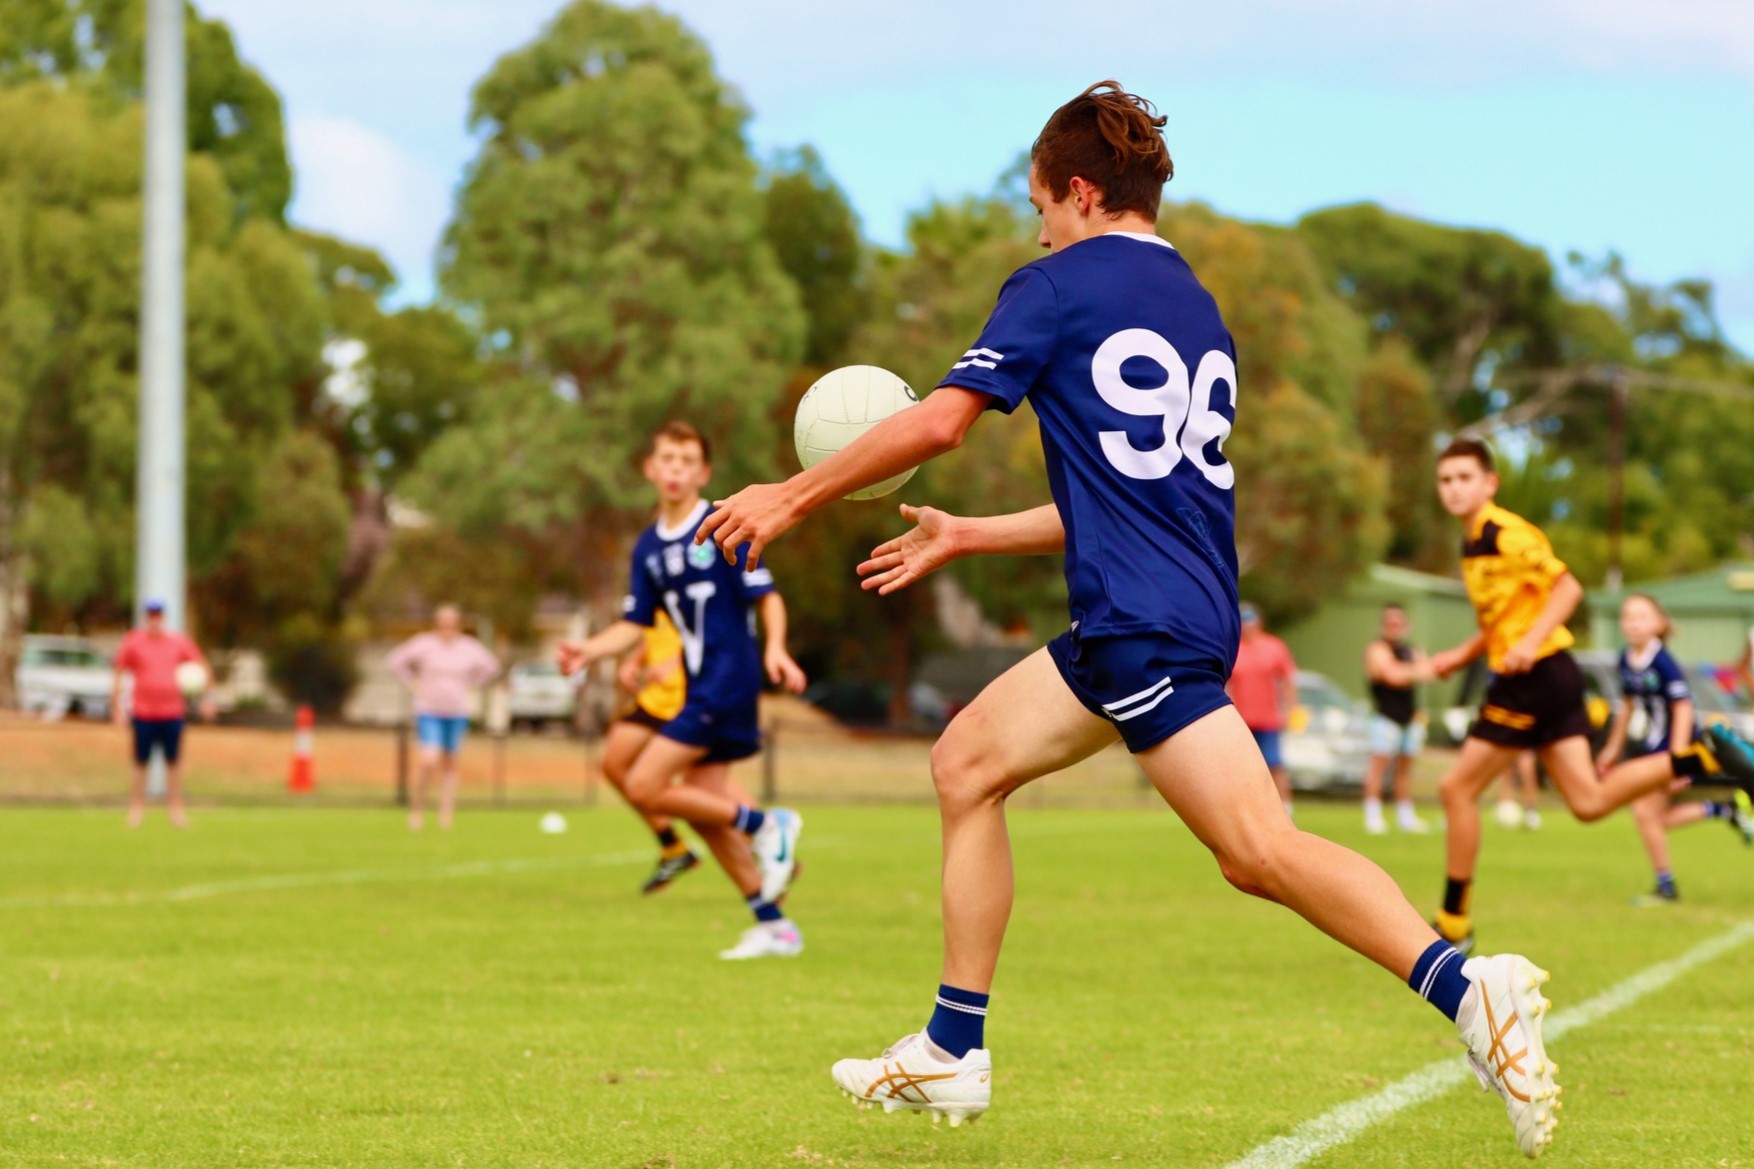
(776, 851)
(1375, 826)
(1509, 813)
(1532, 820)
(1500, 1021)
(1413, 825)
(909, 1076)
(767, 939)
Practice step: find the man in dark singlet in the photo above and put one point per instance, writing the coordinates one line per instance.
(1393, 667)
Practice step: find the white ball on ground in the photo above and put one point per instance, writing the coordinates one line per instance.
(553, 824)
(843, 404)
(1509, 813)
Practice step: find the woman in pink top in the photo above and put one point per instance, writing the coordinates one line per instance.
(152, 654)
(441, 667)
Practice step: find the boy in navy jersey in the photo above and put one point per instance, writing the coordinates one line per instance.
(1133, 376)
(712, 606)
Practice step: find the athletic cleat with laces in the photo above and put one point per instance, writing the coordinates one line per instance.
(1742, 817)
(909, 1077)
(767, 939)
(1500, 1021)
(669, 868)
(775, 845)
(1733, 755)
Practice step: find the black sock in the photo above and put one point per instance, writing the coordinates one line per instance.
(667, 837)
(1455, 895)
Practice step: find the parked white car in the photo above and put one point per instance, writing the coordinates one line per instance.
(58, 676)
(537, 693)
(1327, 742)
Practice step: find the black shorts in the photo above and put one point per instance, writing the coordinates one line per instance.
(1534, 709)
(166, 734)
(639, 716)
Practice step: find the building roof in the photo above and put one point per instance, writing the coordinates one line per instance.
(1728, 588)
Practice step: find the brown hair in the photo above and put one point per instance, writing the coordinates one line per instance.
(676, 430)
(1463, 447)
(1668, 626)
(1112, 139)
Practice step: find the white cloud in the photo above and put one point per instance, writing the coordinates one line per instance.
(358, 184)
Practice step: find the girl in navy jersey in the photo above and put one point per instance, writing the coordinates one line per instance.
(1657, 719)
(1133, 377)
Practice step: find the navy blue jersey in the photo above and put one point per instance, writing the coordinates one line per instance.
(1654, 686)
(1133, 377)
(709, 602)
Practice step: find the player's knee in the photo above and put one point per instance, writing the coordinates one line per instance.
(961, 774)
(1590, 806)
(1252, 864)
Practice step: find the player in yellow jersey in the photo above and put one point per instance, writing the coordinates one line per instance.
(1522, 595)
(653, 674)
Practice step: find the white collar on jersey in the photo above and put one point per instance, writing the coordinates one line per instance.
(686, 527)
(1139, 235)
(1642, 661)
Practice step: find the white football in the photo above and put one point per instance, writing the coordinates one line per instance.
(552, 824)
(191, 678)
(843, 404)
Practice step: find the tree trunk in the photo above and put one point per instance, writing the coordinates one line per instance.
(14, 611)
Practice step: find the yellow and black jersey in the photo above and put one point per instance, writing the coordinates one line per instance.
(1510, 571)
(663, 696)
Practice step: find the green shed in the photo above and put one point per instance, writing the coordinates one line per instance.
(1332, 640)
(1712, 612)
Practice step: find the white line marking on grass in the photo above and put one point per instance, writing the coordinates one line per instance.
(1345, 1122)
(276, 881)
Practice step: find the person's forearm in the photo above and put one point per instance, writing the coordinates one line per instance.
(1681, 729)
(1469, 649)
(1561, 604)
(1038, 531)
(899, 443)
(772, 610)
(617, 639)
(1617, 733)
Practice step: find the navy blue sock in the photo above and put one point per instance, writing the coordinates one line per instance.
(748, 819)
(959, 1021)
(764, 910)
(1437, 976)
(1665, 882)
(1714, 810)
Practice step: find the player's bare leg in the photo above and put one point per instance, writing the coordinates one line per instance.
(429, 761)
(729, 846)
(173, 795)
(1478, 763)
(620, 748)
(447, 801)
(1590, 797)
(137, 797)
(1374, 770)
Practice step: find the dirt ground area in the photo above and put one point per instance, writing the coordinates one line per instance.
(809, 757)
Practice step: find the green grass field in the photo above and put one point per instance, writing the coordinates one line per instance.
(317, 987)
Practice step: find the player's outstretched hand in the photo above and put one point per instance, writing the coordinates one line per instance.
(1520, 658)
(629, 674)
(570, 657)
(921, 550)
(757, 515)
(783, 671)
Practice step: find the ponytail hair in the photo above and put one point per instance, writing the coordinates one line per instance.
(1113, 140)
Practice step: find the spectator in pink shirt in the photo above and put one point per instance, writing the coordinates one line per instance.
(1263, 685)
(152, 654)
(441, 667)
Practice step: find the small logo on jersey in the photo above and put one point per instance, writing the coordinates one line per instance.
(979, 358)
(673, 559)
(701, 555)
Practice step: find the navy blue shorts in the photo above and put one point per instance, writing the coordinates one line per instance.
(728, 734)
(1148, 684)
(164, 733)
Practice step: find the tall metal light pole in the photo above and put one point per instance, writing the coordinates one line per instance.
(159, 525)
(158, 568)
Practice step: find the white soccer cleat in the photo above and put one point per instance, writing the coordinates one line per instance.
(1413, 825)
(776, 851)
(767, 939)
(908, 1076)
(1500, 1021)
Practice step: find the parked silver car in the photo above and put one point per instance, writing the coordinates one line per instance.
(1326, 743)
(58, 676)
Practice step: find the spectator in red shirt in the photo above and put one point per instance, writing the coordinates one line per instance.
(152, 654)
(1263, 685)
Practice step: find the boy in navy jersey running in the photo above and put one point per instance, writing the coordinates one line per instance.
(1133, 376)
(712, 605)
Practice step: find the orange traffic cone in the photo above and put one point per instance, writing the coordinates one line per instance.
(303, 777)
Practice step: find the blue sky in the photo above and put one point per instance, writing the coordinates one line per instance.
(1575, 124)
